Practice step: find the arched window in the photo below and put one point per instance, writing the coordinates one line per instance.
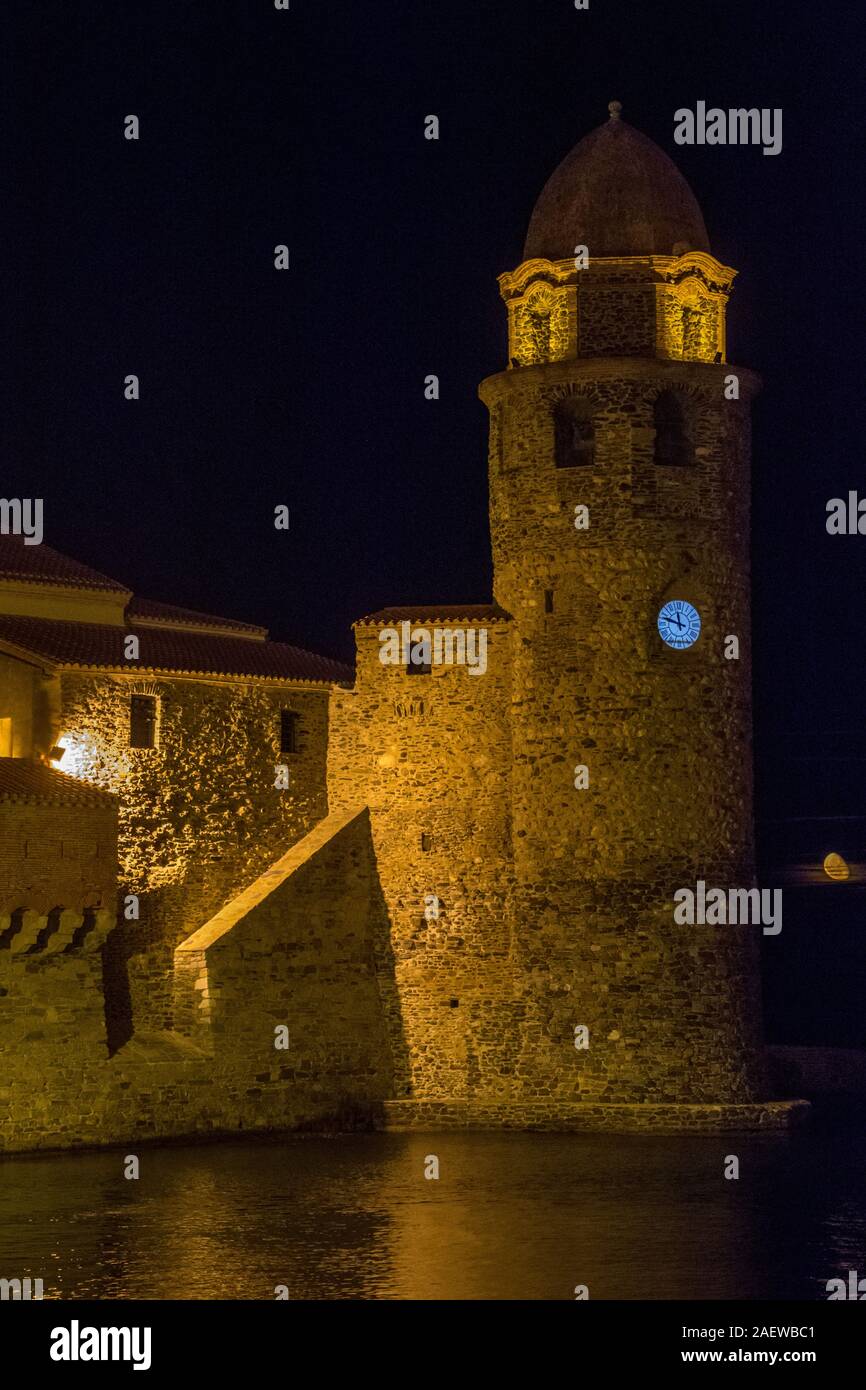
(574, 433)
(674, 446)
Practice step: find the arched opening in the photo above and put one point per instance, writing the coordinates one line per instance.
(574, 433)
(674, 445)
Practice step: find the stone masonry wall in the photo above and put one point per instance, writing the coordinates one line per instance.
(673, 1012)
(306, 946)
(58, 872)
(57, 856)
(18, 683)
(200, 816)
(430, 755)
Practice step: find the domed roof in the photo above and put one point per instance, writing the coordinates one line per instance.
(618, 194)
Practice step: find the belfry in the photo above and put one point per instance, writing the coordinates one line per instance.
(615, 401)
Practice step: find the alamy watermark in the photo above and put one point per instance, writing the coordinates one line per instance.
(729, 907)
(20, 1289)
(846, 517)
(736, 126)
(77, 1343)
(444, 646)
(22, 516)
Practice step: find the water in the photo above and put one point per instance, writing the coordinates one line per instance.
(512, 1216)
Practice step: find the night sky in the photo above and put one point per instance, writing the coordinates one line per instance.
(305, 387)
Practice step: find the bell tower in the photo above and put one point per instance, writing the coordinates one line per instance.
(619, 484)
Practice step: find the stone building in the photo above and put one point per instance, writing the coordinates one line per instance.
(242, 889)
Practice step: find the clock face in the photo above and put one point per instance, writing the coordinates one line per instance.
(679, 623)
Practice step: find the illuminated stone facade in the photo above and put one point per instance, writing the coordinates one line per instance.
(394, 897)
(662, 306)
(200, 816)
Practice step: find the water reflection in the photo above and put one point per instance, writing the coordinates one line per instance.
(511, 1216)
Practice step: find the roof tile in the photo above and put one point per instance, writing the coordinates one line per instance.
(40, 564)
(170, 614)
(24, 780)
(100, 646)
(438, 613)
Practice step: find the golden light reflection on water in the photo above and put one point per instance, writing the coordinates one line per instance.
(511, 1216)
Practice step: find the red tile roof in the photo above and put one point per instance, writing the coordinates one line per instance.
(100, 646)
(39, 564)
(438, 613)
(171, 615)
(22, 780)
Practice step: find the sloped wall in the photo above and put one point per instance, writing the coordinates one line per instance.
(304, 948)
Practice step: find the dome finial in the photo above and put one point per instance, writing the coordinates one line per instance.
(615, 109)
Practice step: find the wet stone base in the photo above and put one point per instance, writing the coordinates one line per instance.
(592, 1118)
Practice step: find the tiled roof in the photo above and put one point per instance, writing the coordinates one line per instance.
(168, 613)
(100, 646)
(438, 613)
(40, 564)
(22, 780)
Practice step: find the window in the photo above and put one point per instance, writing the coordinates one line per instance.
(426, 842)
(142, 721)
(674, 447)
(548, 600)
(420, 653)
(574, 433)
(288, 731)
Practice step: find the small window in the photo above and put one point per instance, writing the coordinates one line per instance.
(674, 447)
(288, 731)
(142, 721)
(426, 842)
(420, 649)
(548, 600)
(574, 433)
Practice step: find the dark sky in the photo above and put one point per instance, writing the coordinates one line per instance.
(306, 387)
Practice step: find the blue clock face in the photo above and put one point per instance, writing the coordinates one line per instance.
(679, 623)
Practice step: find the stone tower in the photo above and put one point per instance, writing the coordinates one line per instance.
(619, 480)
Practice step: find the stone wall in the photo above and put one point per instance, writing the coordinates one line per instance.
(58, 872)
(616, 320)
(58, 856)
(673, 1012)
(305, 946)
(430, 756)
(54, 1078)
(587, 1117)
(18, 684)
(200, 816)
(648, 306)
